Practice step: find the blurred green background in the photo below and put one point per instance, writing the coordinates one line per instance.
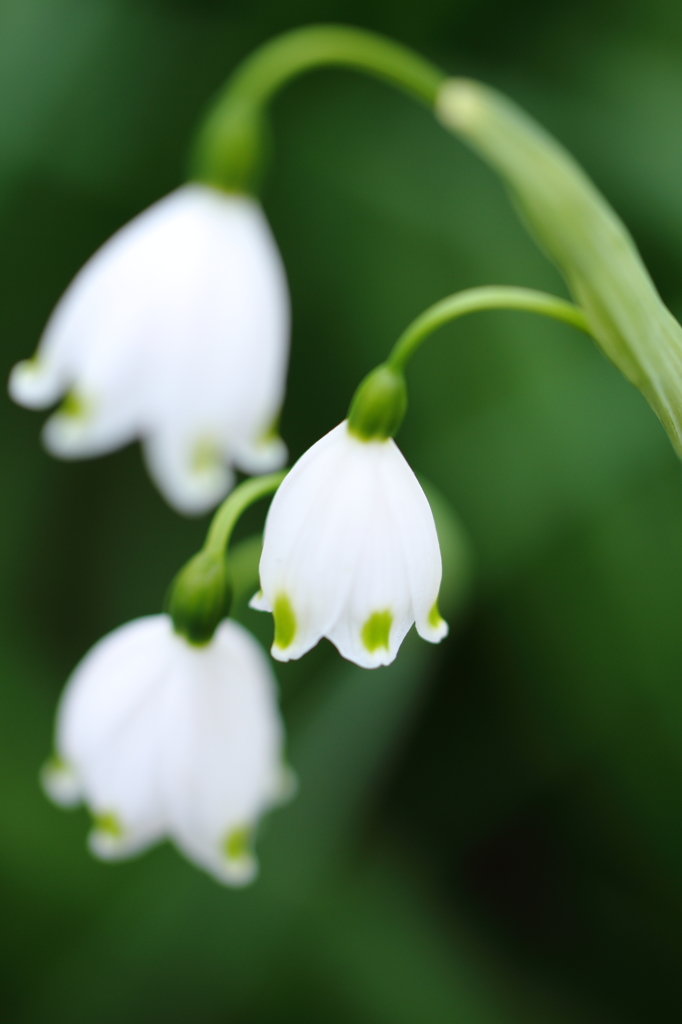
(486, 833)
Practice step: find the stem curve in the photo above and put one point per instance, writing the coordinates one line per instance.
(236, 503)
(229, 148)
(287, 56)
(200, 596)
(475, 300)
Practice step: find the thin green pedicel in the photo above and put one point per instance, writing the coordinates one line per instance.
(376, 631)
(285, 622)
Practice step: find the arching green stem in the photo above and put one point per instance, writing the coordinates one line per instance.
(229, 148)
(201, 593)
(380, 402)
(474, 300)
(243, 496)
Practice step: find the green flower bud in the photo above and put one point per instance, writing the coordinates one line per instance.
(378, 405)
(200, 597)
(582, 234)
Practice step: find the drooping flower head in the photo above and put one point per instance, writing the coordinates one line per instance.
(162, 738)
(174, 332)
(350, 552)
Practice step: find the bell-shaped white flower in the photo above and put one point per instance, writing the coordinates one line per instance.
(351, 553)
(174, 332)
(162, 738)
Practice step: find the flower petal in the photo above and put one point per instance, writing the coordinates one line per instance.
(261, 456)
(219, 362)
(108, 727)
(416, 531)
(223, 750)
(81, 429)
(36, 383)
(309, 559)
(378, 610)
(61, 783)
(191, 474)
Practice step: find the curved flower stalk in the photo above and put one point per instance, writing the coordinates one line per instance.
(174, 332)
(350, 552)
(162, 738)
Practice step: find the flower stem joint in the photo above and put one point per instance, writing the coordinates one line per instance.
(230, 150)
(379, 405)
(200, 597)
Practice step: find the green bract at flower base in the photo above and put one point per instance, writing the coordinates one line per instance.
(583, 236)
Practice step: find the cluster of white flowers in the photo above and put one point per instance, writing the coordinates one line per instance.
(176, 333)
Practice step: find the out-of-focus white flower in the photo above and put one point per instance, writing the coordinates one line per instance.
(351, 553)
(176, 332)
(162, 738)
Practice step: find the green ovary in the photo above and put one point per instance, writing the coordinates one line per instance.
(376, 631)
(237, 844)
(285, 622)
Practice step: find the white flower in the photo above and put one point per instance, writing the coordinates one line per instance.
(351, 553)
(160, 738)
(175, 332)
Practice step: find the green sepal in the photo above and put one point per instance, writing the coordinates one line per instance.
(200, 597)
(378, 405)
